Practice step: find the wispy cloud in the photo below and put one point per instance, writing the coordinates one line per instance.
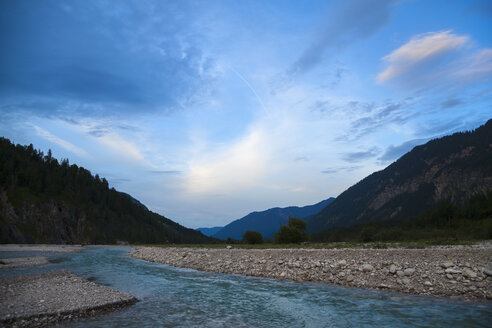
(369, 117)
(419, 51)
(343, 169)
(474, 66)
(301, 159)
(393, 152)
(165, 172)
(59, 141)
(358, 156)
(453, 102)
(342, 29)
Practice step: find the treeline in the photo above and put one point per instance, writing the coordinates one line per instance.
(56, 202)
(446, 222)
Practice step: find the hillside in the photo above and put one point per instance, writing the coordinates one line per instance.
(452, 168)
(44, 201)
(209, 231)
(268, 222)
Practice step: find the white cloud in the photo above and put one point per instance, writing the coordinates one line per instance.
(105, 138)
(233, 167)
(418, 51)
(121, 147)
(60, 142)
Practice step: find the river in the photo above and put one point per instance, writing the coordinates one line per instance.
(173, 297)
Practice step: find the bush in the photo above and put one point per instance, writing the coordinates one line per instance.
(368, 232)
(252, 237)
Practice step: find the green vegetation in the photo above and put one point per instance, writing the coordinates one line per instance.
(293, 232)
(44, 201)
(322, 245)
(445, 224)
(252, 237)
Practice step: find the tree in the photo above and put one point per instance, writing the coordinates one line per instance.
(253, 237)
(368, 232)
(297, 223)
(293, 232)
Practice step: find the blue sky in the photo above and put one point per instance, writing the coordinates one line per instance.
(208, 110)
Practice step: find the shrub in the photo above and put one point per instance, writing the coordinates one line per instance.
(252, 237)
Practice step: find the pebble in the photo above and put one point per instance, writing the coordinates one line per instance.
(408, 271)
(469, 273)
(367, 268)
(447, 264)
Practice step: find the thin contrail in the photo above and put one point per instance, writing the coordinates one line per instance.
(251, 88)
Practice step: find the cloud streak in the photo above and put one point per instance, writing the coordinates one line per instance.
(342, 29)
(358, 156)
(393, 152)
(60, 142)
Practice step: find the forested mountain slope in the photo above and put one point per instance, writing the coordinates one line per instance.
(44, 201)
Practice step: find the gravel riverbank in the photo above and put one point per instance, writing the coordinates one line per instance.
(42, 299)
(18, 262)
(458, 272)
(40, 248)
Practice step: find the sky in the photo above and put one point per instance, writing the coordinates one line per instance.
(208, 110)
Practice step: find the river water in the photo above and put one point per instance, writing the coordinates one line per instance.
(172, 297)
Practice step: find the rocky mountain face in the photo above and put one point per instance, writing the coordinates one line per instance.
(451, 168)
(43, 201)
(268, 222)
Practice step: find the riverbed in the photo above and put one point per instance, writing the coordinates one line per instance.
(174, 297)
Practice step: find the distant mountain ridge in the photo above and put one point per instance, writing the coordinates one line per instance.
(268, 222)
(209, 231)
(452, 168)
(44, 201)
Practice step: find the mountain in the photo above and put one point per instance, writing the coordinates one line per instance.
(268, 222)
(452, 169)
(209, 231)
(44, 201)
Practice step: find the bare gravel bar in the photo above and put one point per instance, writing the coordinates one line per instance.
(42, 299)
(40, 248)
(463, 273)
(18, 262)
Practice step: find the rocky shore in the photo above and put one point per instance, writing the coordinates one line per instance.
(42, 299)
(458, 272)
